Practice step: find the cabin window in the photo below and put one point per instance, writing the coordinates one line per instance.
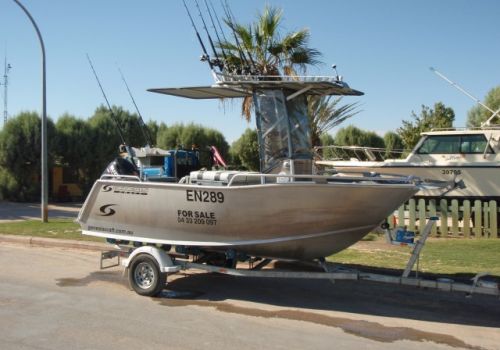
(449, 144)
(474, 144)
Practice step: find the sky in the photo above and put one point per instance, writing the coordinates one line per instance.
(383, 48)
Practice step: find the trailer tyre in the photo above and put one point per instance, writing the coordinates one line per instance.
(145, 276)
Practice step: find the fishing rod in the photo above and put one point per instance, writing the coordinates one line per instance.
(218, 22)
(205, 56)
(233, 20)
(495, 113)
(115, 119)
(217, 61)
(215, 30)
(144, 129)
(231, 25)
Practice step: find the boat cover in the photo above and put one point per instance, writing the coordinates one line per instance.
(238, 89)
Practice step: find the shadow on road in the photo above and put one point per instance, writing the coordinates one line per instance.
(361, 297)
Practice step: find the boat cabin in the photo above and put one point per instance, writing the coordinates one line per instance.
(458, 145)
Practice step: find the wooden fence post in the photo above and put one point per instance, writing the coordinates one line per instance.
(486, 220)
(466, 210)
(432, 213)
(454, 217)
(401, 216)
(412, 215)
(443, 208)
(421, 215)
(493, 219)
(478, 222)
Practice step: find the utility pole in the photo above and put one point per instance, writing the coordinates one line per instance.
(5, 84)
(44, 158)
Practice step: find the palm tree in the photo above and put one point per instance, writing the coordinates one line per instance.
(261, 48)
(325, 113)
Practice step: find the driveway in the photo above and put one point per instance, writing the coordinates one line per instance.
(11, 211)
(54, 298)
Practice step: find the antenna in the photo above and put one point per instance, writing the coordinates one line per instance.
(337, 76)
(469, 95)
(7, 68)
(144, 129)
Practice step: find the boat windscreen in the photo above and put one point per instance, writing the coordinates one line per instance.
(283, 127)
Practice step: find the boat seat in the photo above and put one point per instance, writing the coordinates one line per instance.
(222, 178)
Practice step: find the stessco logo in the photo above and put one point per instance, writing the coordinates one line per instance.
(106, 210)
(125, 190)
(107, 188)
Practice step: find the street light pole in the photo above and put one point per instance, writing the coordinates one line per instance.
(45, 187)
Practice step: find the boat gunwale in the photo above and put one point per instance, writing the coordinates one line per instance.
(340, 181)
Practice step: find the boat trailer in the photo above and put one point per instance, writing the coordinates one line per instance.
(148, 266)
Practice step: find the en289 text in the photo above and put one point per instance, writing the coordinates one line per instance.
(204, 196)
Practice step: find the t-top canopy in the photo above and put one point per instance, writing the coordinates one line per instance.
(202, 92)
(242, 86)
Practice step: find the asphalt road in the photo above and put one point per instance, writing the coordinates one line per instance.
(54, 298)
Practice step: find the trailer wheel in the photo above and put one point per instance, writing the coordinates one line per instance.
(145, 276)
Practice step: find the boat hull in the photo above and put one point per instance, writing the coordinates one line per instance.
(294, 221)
(480, 181)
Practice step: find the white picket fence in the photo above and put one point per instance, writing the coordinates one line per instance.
(465, 218)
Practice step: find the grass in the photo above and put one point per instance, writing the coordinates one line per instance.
(439, 256)
(450, 256)
(59, 228)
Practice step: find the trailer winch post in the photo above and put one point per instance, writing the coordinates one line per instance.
(415, 254)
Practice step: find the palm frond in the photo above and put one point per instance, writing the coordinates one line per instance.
(247, 108)
(269, 21)
(325, 113)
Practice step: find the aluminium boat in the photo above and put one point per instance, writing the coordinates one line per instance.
(285, 211)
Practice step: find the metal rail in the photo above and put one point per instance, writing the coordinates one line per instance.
(361, 153)
(476, 128)
(224, 77)
(287, 178)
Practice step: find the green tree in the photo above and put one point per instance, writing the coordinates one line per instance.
(245, 151)
(325, 113)
(186, 136)
(439, 117)
(479, 114)
(153, 128)
(353, 136)
(72, 142)
(326, 140)
(20, 154)
(393, 142)
(106, 139)
(273, 52)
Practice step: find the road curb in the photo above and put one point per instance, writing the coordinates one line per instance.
(53, 242)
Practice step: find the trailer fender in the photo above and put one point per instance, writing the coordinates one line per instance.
(162, 258)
